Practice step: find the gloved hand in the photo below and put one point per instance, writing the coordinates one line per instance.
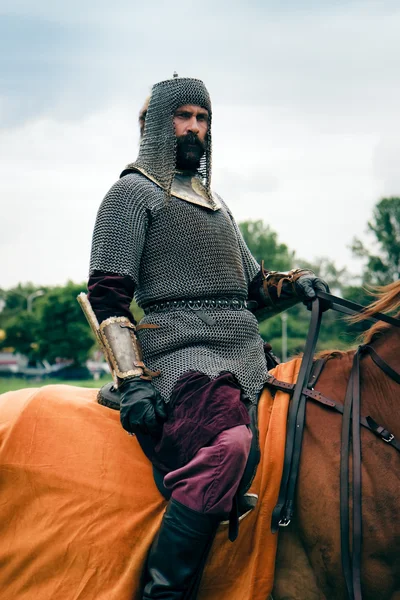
(306, 286)
(142, 409)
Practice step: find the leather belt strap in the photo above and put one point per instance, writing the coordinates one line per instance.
(197, 304)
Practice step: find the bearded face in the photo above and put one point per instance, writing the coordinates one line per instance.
(191, 129)
(189, 150)
(191, 124)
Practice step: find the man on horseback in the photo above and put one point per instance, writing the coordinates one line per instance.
(191, 372)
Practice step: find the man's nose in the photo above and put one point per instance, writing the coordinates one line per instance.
(193, 125)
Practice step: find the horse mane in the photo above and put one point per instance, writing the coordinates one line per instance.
(387, 300)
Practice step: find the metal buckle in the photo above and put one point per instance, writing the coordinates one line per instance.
(284, 522)
(389, 439)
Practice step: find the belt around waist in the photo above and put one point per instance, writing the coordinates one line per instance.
(197, 304)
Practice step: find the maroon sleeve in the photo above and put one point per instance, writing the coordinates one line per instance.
(110, 295)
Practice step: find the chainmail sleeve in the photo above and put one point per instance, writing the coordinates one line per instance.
(120, 230)
(251, 266)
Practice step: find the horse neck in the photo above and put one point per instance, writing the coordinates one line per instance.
(380, 393)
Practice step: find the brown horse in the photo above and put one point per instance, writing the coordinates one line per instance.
(308, 565)
(79, 507)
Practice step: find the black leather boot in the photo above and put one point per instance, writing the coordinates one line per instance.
(178, 553)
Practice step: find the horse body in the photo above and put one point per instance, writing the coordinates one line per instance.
(308, 563)
(76, 488)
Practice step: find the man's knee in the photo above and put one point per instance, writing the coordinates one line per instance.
(235, 444)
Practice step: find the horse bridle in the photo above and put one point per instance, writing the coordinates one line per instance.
(352, 420)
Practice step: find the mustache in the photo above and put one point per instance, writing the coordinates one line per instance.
(191, 139)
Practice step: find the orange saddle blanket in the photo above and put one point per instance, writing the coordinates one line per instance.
(75, 524)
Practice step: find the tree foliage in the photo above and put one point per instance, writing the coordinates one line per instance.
(63, 332)
(54, 329)
(57, 329)
(19, 325)
(263, 244)
(382, 263)
(21, 334)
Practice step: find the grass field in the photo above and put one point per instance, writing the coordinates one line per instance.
(8, 384)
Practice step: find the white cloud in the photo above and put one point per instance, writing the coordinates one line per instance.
(315, 190)
(305, 117)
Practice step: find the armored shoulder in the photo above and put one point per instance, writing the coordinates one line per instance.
(131, 190)
(120, 228)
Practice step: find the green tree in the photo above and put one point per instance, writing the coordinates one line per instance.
(19, 325)
(264, 245)
(63, 331)
(335, 333)
(14, 301)
(382, 265)
(21, 334)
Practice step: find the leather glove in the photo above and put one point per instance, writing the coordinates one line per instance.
(306, 286)
(142, 408)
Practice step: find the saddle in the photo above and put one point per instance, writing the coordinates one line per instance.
(244, 502)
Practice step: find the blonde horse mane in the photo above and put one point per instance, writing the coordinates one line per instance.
(387, 301)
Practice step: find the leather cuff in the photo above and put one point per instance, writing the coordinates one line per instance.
(122, 346)
(278, 291)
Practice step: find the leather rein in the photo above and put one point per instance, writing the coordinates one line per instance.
(352, 420)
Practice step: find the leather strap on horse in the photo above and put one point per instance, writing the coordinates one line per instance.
(352, 419)
(283, 511)
(352, 308)
(351, 415)
(368, 422)
(382, 364)
(352, 564)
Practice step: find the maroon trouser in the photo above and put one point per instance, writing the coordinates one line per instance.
(210, 480)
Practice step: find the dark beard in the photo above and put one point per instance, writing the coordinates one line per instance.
(189, 150)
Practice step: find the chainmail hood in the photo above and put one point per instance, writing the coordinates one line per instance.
(157, 152)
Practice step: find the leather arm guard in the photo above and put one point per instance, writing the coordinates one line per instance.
(276, 291)
(123, 350)
(117, 338)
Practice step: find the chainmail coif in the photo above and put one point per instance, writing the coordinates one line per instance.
(157, 152)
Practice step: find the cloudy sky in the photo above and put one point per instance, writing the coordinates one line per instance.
(306, 120)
